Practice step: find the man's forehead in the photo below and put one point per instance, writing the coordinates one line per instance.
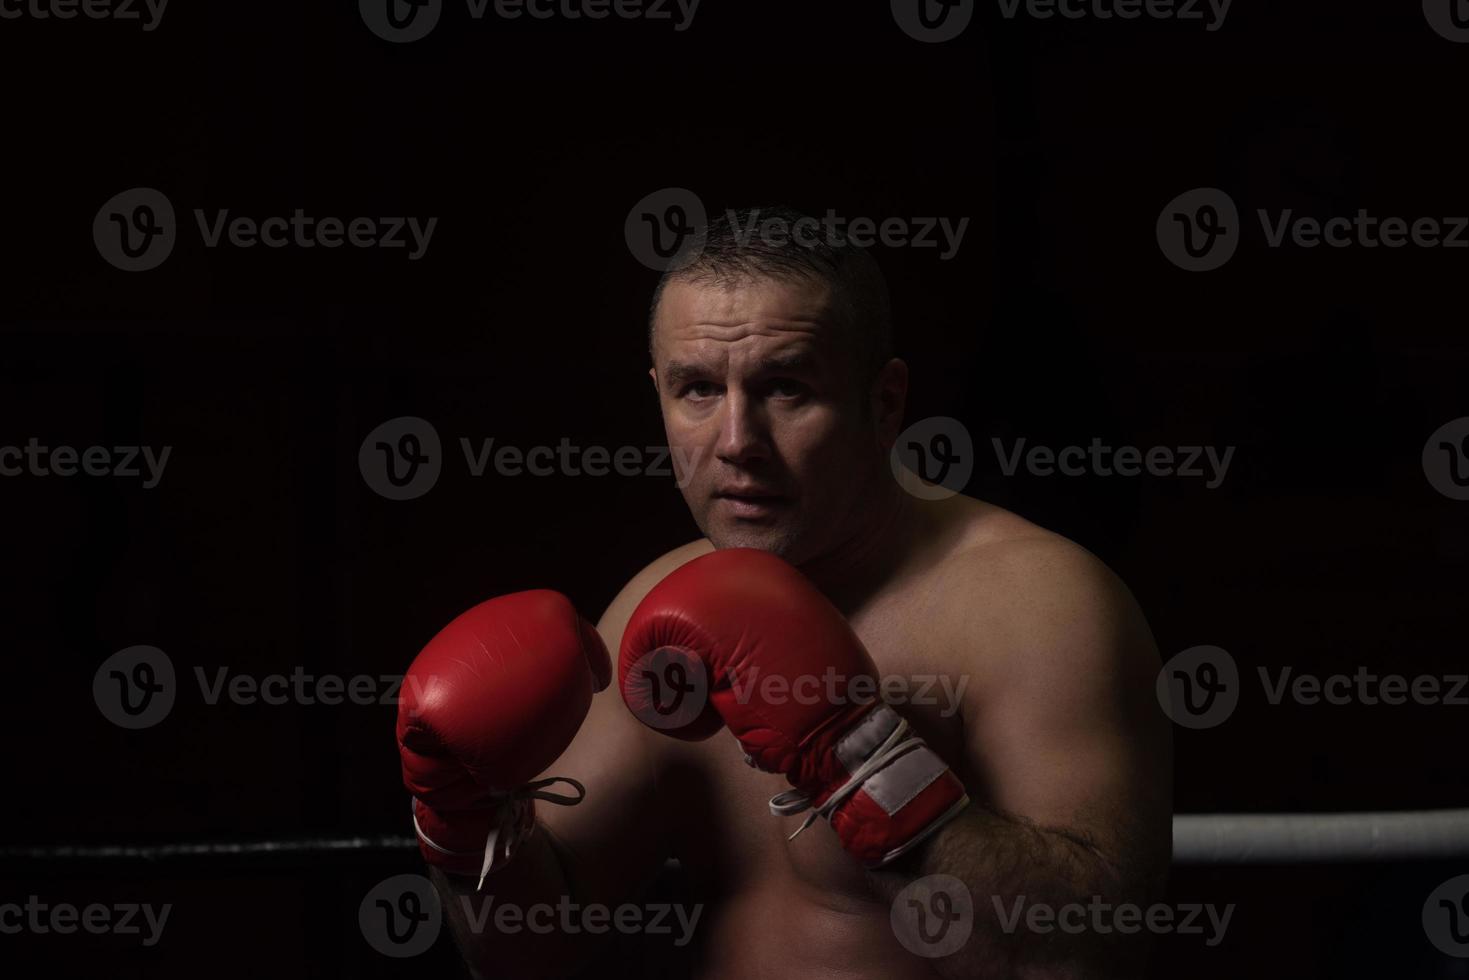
(699, 307)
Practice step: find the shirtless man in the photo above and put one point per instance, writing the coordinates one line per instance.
(773, 371)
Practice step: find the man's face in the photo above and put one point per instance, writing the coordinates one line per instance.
(763, 402)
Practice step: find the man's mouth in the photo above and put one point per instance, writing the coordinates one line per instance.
(750, 503)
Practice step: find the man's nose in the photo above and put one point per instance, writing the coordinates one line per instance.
(743, 435)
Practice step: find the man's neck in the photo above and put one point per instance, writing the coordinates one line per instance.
(851, 572)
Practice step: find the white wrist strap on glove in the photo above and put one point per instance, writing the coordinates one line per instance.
(795, 801)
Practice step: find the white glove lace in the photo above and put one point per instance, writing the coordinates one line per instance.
(506, 835)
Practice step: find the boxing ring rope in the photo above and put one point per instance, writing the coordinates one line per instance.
(1313, 838)
(291, 848)
(1198, 839)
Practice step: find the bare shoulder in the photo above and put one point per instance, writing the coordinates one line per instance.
(1035, 599)
(620, 610)
(988, 543)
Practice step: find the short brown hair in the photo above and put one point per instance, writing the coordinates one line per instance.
(730, 250)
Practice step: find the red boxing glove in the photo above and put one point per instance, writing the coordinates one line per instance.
(740, 638)
(494, 699)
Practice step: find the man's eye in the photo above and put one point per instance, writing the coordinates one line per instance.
(787, 388)
(700, 389)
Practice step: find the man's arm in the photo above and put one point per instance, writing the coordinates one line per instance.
(1073, 763)
(603, 851)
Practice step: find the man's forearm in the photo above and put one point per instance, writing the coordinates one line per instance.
(493, 925)
(1011, 865)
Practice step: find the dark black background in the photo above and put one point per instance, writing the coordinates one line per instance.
(1059, 320)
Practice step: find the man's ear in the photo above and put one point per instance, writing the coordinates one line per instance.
(889, 398)
(653, 373)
